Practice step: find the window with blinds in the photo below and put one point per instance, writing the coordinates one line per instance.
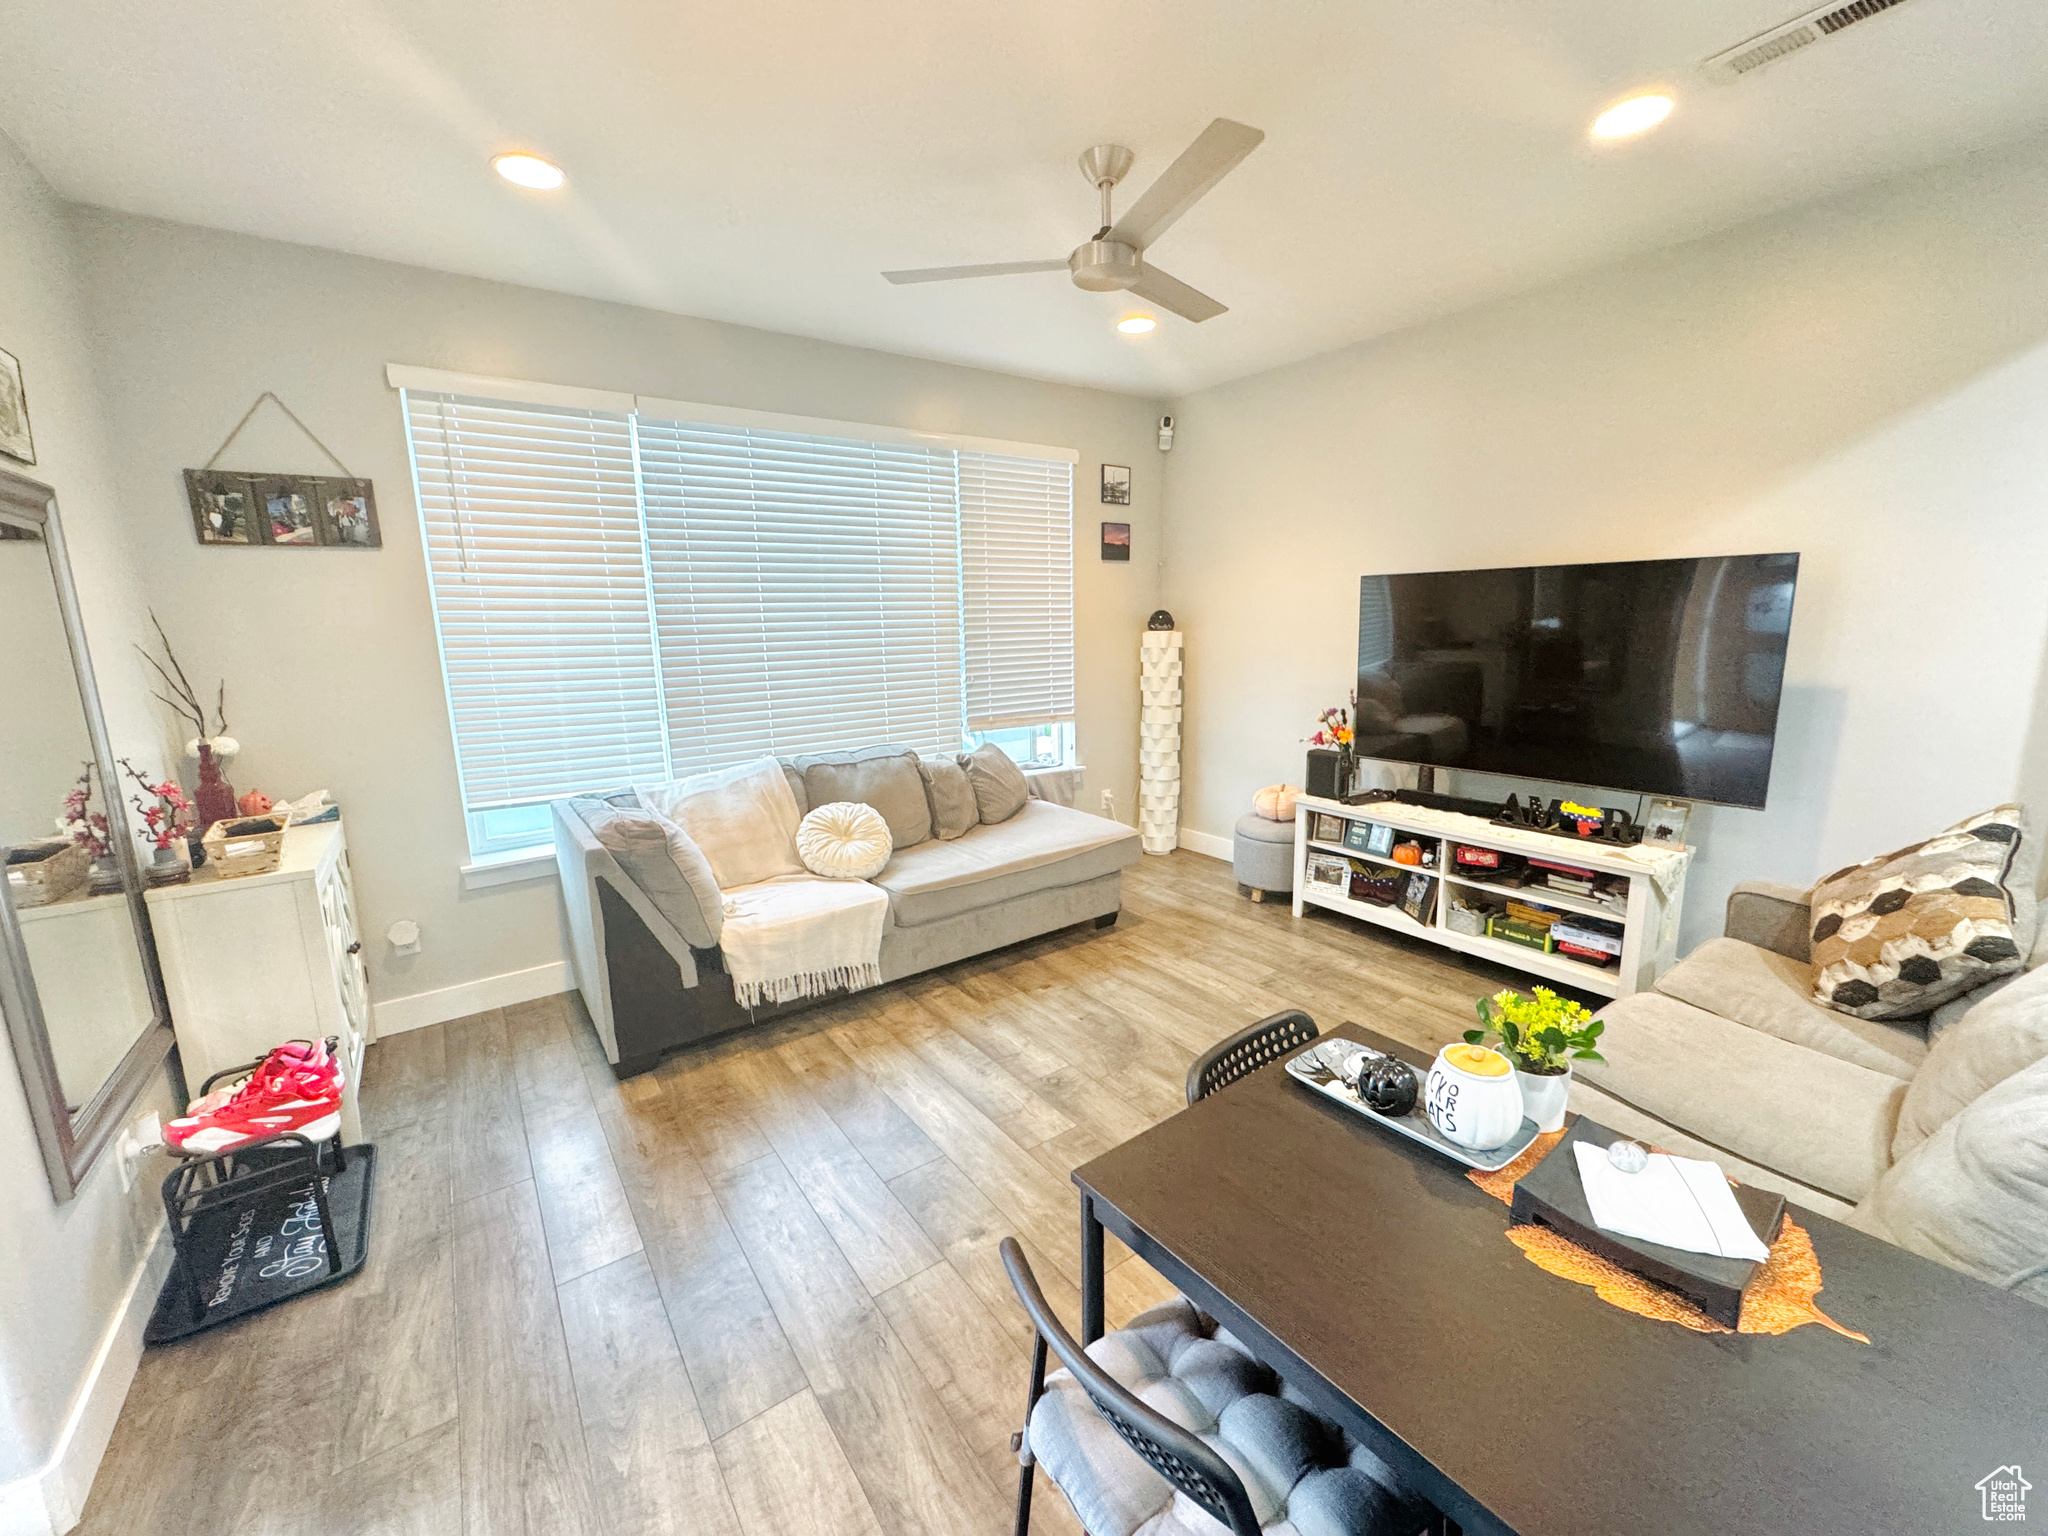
(624, 598)
(539, 579)
(1017, 587)
(806, 592)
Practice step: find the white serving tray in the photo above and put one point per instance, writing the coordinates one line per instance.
(1317, 1068)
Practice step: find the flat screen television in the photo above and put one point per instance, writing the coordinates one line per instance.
(1656, 677)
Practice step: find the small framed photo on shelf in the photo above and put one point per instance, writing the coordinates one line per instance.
(1369, 837)
(1328, 829)
(1665, 825)
(1328, 871)
(1116, 485)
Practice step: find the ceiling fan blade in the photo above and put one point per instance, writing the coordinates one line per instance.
(992, 269)
(1216, 150)
(1171, 293)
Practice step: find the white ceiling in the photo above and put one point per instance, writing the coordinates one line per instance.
(761, 163)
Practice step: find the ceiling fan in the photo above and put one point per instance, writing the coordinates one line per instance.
(1113, 257)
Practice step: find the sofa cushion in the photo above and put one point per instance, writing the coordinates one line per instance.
(1814, 1118)
(1898, 935)
(1609, 1111)
(883, 777)
(955, 811)
(1042, 846)
(1974, 1195)
(743, 817)
(1770, 992)
(660, 858)
(1000, 788)
(843, 841)
(2005, 1033)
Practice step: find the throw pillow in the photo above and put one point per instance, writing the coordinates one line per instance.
(954, 809)
(883, 777)
(744, 818)
(1900, 934)
(843, 841)
(659, 857)
(1000, 788)
(1974, 1195)
(2004, 1033)
(1276, 801)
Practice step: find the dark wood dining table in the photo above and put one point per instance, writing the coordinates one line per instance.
(1372, 1275)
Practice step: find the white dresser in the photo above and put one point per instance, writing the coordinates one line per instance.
(252, 962)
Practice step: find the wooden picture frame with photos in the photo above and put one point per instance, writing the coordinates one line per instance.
(290, 511)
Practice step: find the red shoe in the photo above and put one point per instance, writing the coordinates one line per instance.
(286, 1094)
(291, 1054)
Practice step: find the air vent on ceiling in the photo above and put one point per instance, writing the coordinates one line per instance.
(1791, 36)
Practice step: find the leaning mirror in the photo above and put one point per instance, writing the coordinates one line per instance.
(79, 986)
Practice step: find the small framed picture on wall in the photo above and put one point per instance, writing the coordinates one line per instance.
(1116, 541)
(15, 440)
(1116, 485)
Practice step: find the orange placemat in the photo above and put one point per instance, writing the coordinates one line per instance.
(1777, 1301)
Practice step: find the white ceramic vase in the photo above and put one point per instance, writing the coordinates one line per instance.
(1543, 1098)
(1476, 1111)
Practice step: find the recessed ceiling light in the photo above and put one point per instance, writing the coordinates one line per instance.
(1625, 119)
(529, 171)
(1136, 325)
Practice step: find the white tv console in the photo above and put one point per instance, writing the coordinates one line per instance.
(1650, 923)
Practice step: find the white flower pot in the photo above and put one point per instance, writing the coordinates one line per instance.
(1543, 1097)
(1474, 1110)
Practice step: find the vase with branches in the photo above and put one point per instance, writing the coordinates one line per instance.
(213, 796)
(1334, 731)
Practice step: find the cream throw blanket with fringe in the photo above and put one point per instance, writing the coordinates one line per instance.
(802, 936)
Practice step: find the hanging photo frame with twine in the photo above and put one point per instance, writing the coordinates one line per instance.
(292, 511)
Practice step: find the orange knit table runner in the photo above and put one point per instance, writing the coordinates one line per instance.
(1777, 1301)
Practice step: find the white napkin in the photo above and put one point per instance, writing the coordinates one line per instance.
(1680, 1202)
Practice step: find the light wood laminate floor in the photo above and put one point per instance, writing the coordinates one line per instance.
(754, 1292)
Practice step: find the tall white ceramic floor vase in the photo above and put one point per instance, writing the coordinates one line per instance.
(1159, 740)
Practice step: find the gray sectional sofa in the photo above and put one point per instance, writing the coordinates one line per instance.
(647, 962)
(1931, 1133)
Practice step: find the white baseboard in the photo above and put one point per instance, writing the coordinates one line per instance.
(395, 1015)
(1206, 843)
(50, 1500)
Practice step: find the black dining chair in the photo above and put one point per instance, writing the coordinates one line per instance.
(1178, 1456)
(1248, 1050)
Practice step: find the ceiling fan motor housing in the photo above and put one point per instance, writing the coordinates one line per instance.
(1105, 266)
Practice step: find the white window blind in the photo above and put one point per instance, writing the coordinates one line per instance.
(534, 552)
(806, 591)
(1375, 622)
(1017, 586)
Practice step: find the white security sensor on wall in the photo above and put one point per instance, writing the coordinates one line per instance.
(1165, 434)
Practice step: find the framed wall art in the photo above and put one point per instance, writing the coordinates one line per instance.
(292, 511)
(1116, 485)
(15, 439)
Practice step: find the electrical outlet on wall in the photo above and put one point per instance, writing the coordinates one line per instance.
(145, 1136)
(1109, 804)
(404, 936)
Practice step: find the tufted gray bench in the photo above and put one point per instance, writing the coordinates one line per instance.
(1299, 1474)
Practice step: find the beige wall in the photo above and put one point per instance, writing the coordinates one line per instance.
(333, 677)
(1863, 380)
(65, 1268)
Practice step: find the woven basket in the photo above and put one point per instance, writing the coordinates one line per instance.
(248, 845)
(40, 873)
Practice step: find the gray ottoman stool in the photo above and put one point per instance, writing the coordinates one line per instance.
(1262, 853)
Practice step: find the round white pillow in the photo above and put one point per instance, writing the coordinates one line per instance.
(844, 841)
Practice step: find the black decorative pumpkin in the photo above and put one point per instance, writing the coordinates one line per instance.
(1160, 619)
(1388, 1087)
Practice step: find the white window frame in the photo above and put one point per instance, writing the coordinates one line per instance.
(493, 861)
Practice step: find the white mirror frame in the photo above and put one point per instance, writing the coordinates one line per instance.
(71, 1142)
